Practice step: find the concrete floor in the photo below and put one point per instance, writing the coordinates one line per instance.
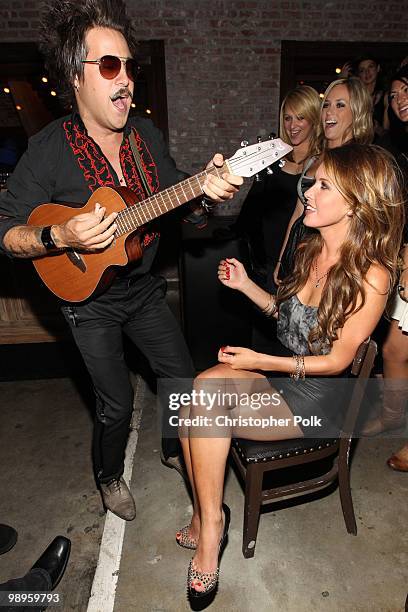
(304, 559)
(46, 481)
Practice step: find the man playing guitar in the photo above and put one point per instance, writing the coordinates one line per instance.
(89, 46)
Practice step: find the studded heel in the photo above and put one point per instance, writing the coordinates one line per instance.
(209, 579)
(184, 539)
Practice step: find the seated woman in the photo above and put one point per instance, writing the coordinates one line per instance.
(342, 278)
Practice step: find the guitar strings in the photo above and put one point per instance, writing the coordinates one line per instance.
(151, 208)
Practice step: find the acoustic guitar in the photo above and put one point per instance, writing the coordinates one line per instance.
(75, 275)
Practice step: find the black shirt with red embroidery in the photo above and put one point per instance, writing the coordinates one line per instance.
(63, 164)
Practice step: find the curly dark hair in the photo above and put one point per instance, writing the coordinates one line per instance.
(64, 26)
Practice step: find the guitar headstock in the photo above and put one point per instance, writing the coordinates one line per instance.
(251, 159)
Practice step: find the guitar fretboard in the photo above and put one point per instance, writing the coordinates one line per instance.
(133, 217)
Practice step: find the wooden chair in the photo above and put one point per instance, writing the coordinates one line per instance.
(254, 459)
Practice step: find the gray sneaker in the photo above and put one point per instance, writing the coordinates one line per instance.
(118, 499)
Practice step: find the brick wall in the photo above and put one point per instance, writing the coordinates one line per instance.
(223, 57)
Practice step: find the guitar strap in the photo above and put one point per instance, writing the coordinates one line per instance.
(138, 162)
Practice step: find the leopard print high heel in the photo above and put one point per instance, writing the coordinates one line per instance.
(184, 539)
(209, 579)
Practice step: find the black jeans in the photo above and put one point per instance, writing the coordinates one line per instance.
(138, 309)
(35, 580)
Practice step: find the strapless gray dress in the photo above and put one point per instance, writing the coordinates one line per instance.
(324, 397)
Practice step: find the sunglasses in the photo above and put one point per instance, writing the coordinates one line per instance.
(110, 66)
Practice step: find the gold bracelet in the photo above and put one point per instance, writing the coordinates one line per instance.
(271, 307)
(265, 310)
(302, 367)
(299, 371)
(295, 374)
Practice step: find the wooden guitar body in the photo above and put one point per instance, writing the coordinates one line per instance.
(75, 275)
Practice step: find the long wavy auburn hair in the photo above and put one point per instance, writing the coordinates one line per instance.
(368, 178)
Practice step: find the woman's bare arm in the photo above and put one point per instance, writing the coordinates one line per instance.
(232, 274)
(356, 329)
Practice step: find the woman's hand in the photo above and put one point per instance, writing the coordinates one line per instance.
(403, 285)
(346, 71)
(232, 274)
(239, 358)
(403, 279)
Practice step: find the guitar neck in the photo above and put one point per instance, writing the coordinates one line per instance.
(245, 162)
(133, 217)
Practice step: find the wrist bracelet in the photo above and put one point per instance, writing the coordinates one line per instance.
(271, 307)
(47, 239)
(299, 371)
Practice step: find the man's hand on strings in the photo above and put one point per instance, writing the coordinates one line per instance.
(223, 188)
(86, 231)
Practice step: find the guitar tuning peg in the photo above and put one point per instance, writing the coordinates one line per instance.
(272, 135)
(259, 139)
(257, 178)
(244, 143)
(282, 163)
(269, 171)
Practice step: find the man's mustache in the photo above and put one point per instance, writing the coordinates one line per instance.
(123, 92)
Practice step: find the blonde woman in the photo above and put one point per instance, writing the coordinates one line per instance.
(267, 209)
(346, 117)
(341, 281)
(271, 200)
